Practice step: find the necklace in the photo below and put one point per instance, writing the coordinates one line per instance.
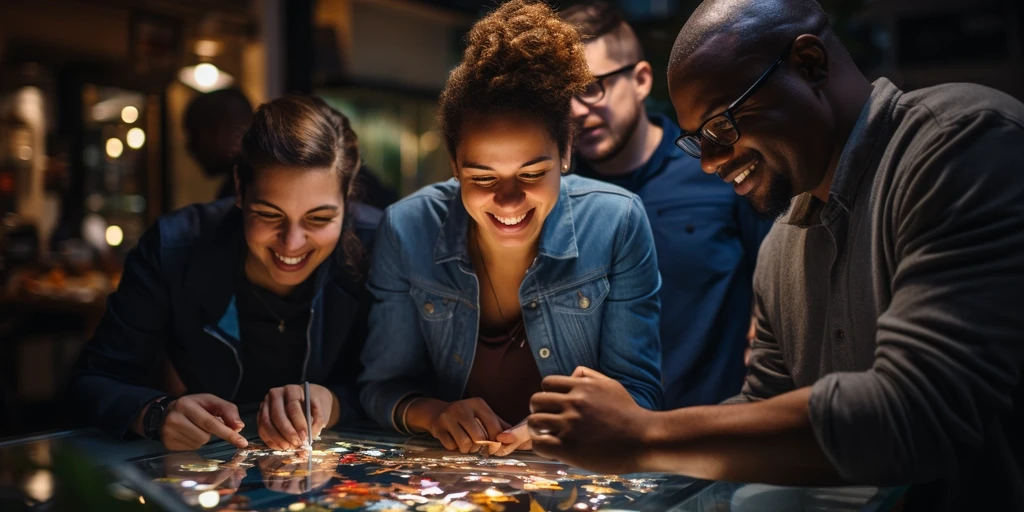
(513, 331)
(280, 325)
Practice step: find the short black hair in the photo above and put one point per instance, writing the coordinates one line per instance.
(594, 19)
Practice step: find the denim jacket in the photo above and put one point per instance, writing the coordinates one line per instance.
(590, 298)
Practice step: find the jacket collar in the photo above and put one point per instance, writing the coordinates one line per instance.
(557, 236)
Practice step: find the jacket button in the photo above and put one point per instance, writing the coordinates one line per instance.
(584, 302)
(544, 353)
(840, 334)
(533, 305)
(429, 308)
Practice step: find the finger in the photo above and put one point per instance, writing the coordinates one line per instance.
(558, 383)
(268, 432)
(462, 439)
(447, 440)
(488, 421)
(548, 446)
(544, 424)
(319, 418)
(224, 409)
(187, 431)
(553, 403)
(583, 372)
(199, 416)
(279, 417)
(475, 428)
(297, 416)
(506, 449)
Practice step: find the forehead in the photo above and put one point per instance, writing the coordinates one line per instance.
(600, 56)
(503, 139)
(711, 78)
(296, 186)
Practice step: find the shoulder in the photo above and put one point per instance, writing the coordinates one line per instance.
(959, 105)
(193, 224)
(602, 211)
(431, 199)
(589, 194)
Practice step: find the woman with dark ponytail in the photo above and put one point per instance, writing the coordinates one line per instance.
(511, 272)
(246, 298)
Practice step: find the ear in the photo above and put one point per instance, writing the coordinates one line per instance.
(238, 187)
(810, 57)
(455, 169)
(644, 76)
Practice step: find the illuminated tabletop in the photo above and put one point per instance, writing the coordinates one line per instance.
(372, 470)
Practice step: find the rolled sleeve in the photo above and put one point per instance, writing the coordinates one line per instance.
(630, 345)
(950, 343)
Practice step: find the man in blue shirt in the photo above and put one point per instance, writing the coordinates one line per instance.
(706, 236)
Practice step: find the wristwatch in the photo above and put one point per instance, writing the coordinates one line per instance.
(154, 417)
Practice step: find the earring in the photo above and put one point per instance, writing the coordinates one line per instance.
(565, 168)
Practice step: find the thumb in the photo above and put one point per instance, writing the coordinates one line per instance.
(583, 371)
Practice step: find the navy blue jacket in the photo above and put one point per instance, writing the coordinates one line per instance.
(176, 297)
(707, 239)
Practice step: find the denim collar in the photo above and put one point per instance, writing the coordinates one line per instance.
(859, 158)
(557, 237)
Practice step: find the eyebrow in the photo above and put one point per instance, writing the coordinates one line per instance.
(322, 207)
(474, 165)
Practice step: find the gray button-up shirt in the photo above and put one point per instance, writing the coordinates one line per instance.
(901, 299)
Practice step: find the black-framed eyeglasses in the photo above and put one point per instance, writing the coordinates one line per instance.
(595, 91)
(721, 128)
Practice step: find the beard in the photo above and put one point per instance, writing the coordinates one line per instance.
(776, 199)
(619, 141)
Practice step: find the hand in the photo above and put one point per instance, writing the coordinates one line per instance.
(512, 439)
(588, 420)
(192, 419)
(281, 421)
(751, 335)
(457, 424)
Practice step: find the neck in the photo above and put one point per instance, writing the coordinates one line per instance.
(258, 275)
(636, 152)
(856, 91)
(510, 257)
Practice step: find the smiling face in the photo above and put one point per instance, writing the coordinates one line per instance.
(293, 219)
(509, 169)
(786, 127)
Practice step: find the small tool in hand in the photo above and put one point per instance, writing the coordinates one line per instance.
(309, 418)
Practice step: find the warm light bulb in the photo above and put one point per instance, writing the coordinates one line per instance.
(114, 236)
(206, 74)
(129, 114)
(136, 138)
(114, 148)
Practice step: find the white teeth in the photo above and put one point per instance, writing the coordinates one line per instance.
(291, 261)
(743, 175)
(510, 221)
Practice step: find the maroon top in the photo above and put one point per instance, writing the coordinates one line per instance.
(505, 374)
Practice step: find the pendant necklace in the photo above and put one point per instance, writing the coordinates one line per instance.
(514, 330)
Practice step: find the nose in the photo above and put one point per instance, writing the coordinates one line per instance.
(509, 194)
(293, 237)
(712, 156)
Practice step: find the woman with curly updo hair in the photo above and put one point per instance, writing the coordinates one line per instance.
(510, 272)
(246, 298)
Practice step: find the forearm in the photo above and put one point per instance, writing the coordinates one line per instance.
(769, 441)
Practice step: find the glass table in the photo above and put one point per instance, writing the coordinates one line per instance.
(365, 469)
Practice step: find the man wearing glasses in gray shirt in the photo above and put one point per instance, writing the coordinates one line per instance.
(888, 297)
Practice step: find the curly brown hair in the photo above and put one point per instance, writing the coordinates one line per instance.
(520, 59)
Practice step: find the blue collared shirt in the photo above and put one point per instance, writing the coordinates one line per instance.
(707, 239)
(590, 298)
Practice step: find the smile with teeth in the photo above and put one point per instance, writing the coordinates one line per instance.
(743, 175)
(510, 221)
(291, 261)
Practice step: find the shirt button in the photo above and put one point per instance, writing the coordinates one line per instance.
(840, 334)
(533, 305)
(429, 308)
(544, 353)
(584, 302)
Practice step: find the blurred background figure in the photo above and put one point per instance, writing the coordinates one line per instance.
(214, 123)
